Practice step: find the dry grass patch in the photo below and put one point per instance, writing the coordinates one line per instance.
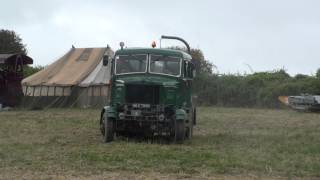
(228, 143)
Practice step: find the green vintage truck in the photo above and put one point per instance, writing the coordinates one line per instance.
(150, 94)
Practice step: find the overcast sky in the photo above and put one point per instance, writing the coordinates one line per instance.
(265, 34)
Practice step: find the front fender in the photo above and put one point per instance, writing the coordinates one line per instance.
(181, 114)
(110, 112)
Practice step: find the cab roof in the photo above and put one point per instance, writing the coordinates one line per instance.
(170, 52)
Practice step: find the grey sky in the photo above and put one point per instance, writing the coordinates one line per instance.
(266, 34)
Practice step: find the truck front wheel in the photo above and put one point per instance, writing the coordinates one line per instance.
(179, 131)
(108, 129)
(189, 132)
(102, 124)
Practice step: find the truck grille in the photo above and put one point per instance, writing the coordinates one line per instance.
(142, 94)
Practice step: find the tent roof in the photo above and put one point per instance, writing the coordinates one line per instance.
(99, 76)
(71, 69)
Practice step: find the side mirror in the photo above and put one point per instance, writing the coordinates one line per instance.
(105, 60)
(185, 70)
(193, 72)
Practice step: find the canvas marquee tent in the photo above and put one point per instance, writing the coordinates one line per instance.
(77, 79)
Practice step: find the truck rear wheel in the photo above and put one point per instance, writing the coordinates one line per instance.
(108, 130)
(179, 131)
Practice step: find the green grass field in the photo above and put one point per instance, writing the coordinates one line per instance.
(229, 143)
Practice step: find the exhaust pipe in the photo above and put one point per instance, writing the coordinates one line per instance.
(179, 39)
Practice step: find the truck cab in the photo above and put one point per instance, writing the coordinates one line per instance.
(150, 94)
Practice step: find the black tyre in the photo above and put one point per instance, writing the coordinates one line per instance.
(194, 117)
(108, 130)
(102, 125)
(189, 132)
(179, 131)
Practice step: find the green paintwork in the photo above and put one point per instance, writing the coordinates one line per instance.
(169, 52)
(181, 114)
(110, 112)
(174, 90)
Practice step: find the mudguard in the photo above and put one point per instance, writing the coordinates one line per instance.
(181, 114)
(110, 112)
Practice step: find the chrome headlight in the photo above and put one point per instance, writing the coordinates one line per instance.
(121, 115)
(161, 117)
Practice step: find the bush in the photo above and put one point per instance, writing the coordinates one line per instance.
(256, 90)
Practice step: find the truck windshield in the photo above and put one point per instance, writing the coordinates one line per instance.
(131, 64)
(165, 65)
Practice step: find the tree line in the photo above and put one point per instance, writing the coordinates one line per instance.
(260, 89)
(11, 43)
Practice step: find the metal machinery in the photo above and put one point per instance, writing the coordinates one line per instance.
(11, 74)
(150, 93)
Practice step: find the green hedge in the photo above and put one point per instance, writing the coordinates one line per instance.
(255, 90)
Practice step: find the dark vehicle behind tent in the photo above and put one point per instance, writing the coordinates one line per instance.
(11, 74)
